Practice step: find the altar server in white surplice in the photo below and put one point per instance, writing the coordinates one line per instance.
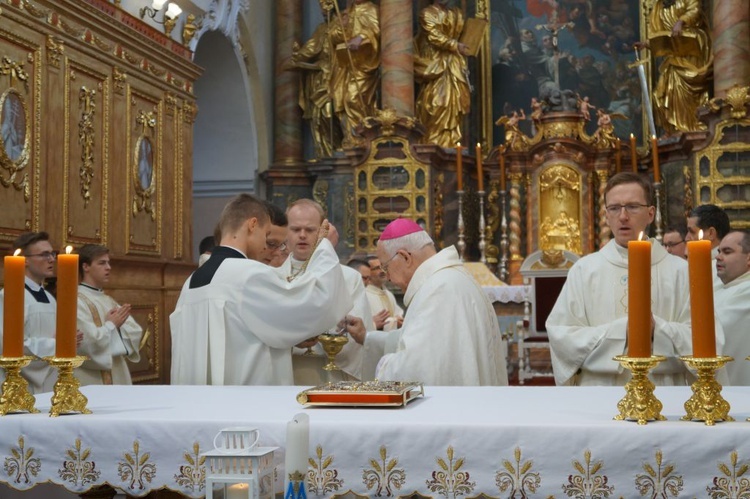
(305, 217)
(714, 222)
(110, 334)
(387, 315)
(587, 326)
(450, 335)
(732, 302)
(237, 318)
(40, 310)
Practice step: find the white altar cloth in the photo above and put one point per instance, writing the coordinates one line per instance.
(456, 442)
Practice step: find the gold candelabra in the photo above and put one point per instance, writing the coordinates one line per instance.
(332, 345)
(706, 404)
(15, 395)
(640, 403)
(67, 397)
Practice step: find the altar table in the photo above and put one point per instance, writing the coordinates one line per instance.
(456, 442)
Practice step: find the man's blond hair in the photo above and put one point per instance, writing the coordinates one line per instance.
(308, 203)
(240, 209)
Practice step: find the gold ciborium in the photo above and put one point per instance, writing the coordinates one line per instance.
(15, 396)
(332, 345)
(639, 403)
(67, 397)
(706, 404)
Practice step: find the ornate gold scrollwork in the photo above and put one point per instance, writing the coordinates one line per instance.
(189, 112)
(86, 139)
(34, 10)
(119, 77)
(559, 209)
(349, 219)
(320, 192)
(170, 103)
(144, 173)
(437, 199)
(737, 99)
(10, 67)
(493, 222)
(55, 49)
(16, 134)
(387, 120)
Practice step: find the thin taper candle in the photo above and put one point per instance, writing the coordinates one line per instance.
(459, 168)
(13, 304)
(633, 153)
(502, 168)
(655, 156)
(480, 174)
(639, 298)
(67, 304)
(618, 156)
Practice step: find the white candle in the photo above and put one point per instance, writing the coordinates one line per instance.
(238, 491)
(297, 446)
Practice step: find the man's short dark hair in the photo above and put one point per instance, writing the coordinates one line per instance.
(27, 239)
(88, 253)
(710, 215)
(680, 228)
(631, 178)
(357, 263)
(277, 215)
(207, 244)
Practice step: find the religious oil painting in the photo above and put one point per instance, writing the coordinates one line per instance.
(145, 163)
(542, 50)
(13, 125)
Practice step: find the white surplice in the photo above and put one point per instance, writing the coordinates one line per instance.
(239, 329)
(732, 309)
(38, 338)
(350, 357)
(587, 326)
(103, 343)
(383, 299)
(450, 335)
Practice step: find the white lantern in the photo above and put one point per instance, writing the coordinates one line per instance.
(239, 466)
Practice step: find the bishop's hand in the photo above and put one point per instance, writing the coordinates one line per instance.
(356, 328)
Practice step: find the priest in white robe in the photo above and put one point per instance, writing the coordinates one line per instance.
(110, 334)
(305, 217)
(587, 327)
(237, 318)
(40, 309)
(450, 335)
(387, 314)
(732, 303)
(713, 223)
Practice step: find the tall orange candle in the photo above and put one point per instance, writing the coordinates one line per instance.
(639, 298)
(633, 153)
(67, 304)
(655, 155)
(480, 174)
(618, 156)
(701, 297)
(13, 298)
(459, 168)
(502, 168)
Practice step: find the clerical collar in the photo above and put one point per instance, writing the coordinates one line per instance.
(91, 287)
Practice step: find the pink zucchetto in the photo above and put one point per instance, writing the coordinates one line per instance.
(399, 228)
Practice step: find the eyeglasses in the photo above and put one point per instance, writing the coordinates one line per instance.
(273, 246)
(672, 245)
(384, 265)
(47, 255)
(631, 209)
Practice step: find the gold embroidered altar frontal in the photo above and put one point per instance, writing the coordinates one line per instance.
(455, 442)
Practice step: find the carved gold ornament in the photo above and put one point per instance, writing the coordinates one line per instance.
(737, 99)
(86, 139)
(15, 130)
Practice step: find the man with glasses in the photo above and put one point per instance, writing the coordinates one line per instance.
(387, 314)
(39, 309)
(450, 335)
(275, 252)
(674, 240)
(588, 324)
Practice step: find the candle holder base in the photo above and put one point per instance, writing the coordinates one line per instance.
(706, 404)
(67, 397)
(296, 488)
(639, 403)
(15, 395)
(332, 345)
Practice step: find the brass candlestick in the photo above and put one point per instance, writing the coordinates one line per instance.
(639, 403)
(67, 397)
(332, 345)
(706, 404)
(15, 395)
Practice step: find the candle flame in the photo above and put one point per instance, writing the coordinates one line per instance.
(17, 252)
(700, 234)
(640, 236)
(632, 136)
(68, 250)
(458, 144)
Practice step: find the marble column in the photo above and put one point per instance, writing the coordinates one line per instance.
(397, 56)
(731, 45)
(288, 122)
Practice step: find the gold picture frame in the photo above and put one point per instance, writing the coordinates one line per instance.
(15, 130)
(144, 176)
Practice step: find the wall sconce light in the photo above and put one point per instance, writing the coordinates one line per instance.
(170, 16)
